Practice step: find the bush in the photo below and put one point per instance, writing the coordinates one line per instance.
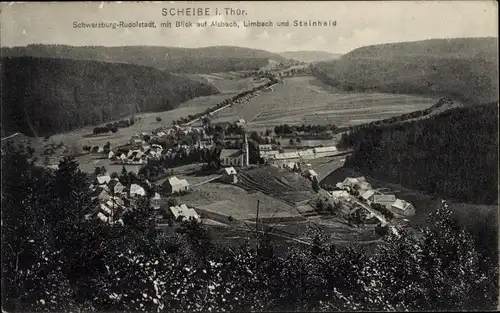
(158, 119)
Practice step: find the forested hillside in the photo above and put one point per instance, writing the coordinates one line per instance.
(56, 260)
(42, 96)
(464, 69)
(453, 154)
(178, 60)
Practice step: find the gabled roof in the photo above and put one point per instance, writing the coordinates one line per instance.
(174, 181)
(105, 209)
(98, 191)
(367, 194)
(287, 155)
(325, 149)
(384, 198)
(351, 180)
(137, 190)
(306, 152)
(183, 210)
(312, 173)
(104, 179)
(231, 153)
(401, 204)
(340, 194)
(230, 170)
(102, 217)
(114, 182)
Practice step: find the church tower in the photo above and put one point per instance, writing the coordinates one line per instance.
(246, 156)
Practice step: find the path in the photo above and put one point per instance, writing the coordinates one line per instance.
(8, 137)
(207, 181)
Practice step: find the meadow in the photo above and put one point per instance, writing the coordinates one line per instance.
(306, 100)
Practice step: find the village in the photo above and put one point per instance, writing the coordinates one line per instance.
(230, 157)
(215, 172)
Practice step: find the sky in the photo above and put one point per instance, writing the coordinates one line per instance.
(358, 23)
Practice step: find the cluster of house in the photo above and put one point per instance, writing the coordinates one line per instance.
(137, 156)
(113, 198)
(372, 196)
(276, 158)
(167, 131)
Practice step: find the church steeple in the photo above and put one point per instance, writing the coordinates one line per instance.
(246, 163)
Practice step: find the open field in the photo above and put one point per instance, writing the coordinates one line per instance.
(233, 81)
(278, 183)
(306, 100)
(324, 166)
(229, 200)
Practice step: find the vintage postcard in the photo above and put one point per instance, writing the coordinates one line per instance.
(249, 156)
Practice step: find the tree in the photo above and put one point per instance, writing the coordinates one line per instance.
(158, 119)
(292, 142)
(100, 170)
(315, 185)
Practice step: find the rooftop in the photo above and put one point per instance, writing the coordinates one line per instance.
(325, 149)
(174, 181)
(231, 153)
(230, 171)
(384, 198)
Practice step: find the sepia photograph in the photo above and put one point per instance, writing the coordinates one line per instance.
(249, 156)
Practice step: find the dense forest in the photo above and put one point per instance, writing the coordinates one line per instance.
(463, 69)
(453, 154)
(43, 96)
(171, 59)
(54, 259)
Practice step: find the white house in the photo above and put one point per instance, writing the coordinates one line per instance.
(325, 151)
(155, 201)
(111, 155)
(101, 193)
(136, 190)
(184, 213)
(115, 186)
(385, 200)
(102, 217)
(230, 175)
(174, 185)
(402, 207)
(340, 195)
(311, 174)
(368, 195)
(103, 179)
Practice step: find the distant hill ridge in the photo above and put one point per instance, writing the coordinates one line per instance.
(465, 69)
(456, 47)
(310, 56)
(42, 96)
(172, 59)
